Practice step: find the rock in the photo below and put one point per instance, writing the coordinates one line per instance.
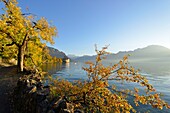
(65, 111)
(33, 90)
(50, 111)
(42, 106)
(44, 91)
(31, 96)
(78, 111)
(61, 106)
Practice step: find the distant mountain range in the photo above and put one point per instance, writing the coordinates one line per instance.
(153, 59)
(152, 52)
(148, 53)
(72, 56)
(55, 52)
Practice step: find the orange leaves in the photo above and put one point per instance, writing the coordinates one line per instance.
(63, 88)
(168, 106)
(102, 51)
(125, 58)
(89, 63)
(153, 99)
(98, 58)
(98, 96)
(156, 96)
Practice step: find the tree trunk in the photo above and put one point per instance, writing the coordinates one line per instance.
(21, 53)
(21, 58)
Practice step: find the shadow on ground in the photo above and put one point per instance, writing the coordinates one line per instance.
(8, 80)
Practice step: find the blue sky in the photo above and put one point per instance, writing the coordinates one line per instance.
(124, 24)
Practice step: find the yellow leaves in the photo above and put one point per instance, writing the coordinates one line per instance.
(98, 59)
(125, 58)
(156, 96)
(121, 62)
(63, 87)
(157, 106)
(152, 99)
(19, 28)
(120, 71)
(89, 63)
(96, 92)
(45, 30)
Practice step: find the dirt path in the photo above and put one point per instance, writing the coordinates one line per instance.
(8, 80)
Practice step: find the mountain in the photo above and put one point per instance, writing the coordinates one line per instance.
(72, 56)
(148, 53)
(55, 52)
(85, 58)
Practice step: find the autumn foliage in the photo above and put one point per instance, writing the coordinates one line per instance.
(99, 94)
(24, 37)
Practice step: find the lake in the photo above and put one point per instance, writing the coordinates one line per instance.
(157, 74)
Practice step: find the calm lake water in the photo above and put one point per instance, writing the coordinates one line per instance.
(158, 75)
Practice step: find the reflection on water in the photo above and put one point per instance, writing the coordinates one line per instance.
(158, 75)
(52, 68)
(67, 65)
(70, 71)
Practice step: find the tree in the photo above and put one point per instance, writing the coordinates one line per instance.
(23, 36)
(97, 95)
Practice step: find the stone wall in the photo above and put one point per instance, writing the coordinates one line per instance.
(31, 96)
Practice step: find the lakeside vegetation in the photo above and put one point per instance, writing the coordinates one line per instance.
(96, 95)
(24, 38)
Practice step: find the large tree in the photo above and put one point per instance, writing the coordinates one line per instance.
(22, 36)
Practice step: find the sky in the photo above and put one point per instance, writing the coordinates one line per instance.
(122, 24)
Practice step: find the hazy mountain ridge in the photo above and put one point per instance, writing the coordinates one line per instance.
(85, 58)
(147, 53)
(56, 53)
(72, 56)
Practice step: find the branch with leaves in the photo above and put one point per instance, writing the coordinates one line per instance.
(97, 95)
(23, 30)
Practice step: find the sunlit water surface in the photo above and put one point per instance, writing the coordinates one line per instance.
(158, 75)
